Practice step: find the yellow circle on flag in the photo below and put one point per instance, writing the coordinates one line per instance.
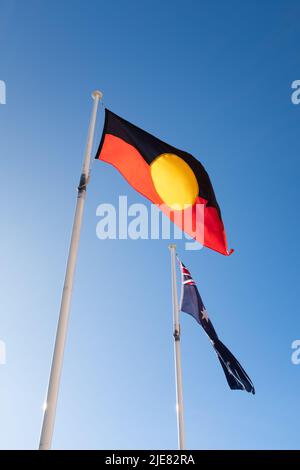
(174, 181)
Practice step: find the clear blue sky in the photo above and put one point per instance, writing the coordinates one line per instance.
(210, 77)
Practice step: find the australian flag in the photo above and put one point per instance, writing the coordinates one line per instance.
(192, 303)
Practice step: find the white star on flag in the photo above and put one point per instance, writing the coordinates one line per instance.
(204, 314)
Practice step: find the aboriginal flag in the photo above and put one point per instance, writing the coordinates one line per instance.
(192, 303)
(170, 178)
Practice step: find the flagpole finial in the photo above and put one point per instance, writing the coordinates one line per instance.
(98, 94)
(172, 246)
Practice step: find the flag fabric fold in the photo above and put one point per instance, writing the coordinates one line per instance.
(191, 303)
(170, 178)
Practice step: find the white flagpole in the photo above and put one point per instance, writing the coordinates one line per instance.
(57, 361)
(177, 353)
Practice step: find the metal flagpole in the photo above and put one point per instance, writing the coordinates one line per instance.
(177, 353)
(57, 361)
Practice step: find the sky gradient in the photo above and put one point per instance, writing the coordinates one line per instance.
(212, 78)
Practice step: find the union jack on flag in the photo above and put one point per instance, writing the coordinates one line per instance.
(187, 278)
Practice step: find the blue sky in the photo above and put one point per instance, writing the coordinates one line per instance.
(213, 78)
